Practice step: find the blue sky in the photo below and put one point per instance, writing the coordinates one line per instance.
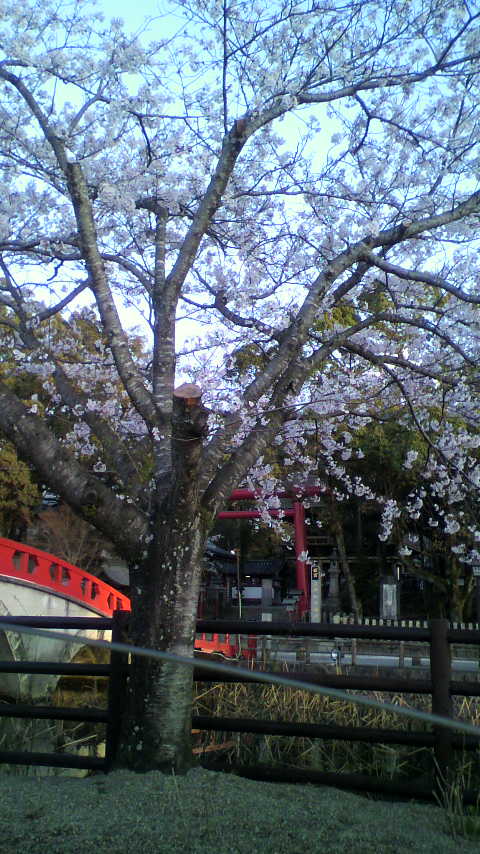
(133, 12)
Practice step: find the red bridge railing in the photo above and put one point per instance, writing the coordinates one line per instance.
(26, 564)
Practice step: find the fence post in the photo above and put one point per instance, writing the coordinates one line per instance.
(440, 669)
(116, 687)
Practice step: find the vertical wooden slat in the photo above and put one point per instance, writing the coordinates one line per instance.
(441, 673)
(116, 687)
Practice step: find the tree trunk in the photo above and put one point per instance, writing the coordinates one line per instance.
(344, 565)
(165, 588)
(458, 594)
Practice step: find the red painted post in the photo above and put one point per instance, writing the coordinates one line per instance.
(300, 550)
(252, 648)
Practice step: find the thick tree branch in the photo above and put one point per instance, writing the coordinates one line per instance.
(46, 313)
(55, 141)
(220, 304)
(423, 277)
(285, 362)
(387, 81)
(381, 360)
(79, 488)
(164, 301)
(117, 340)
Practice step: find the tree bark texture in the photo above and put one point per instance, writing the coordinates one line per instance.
(337, 528)
(165, 585)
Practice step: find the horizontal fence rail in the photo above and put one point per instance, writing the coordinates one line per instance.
(335, 630)
(371, 735)
(386, 684)
(439, 636)
(94, 623)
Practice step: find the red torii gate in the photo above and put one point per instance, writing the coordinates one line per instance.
(297, 513)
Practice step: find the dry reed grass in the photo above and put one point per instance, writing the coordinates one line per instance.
(270, 702)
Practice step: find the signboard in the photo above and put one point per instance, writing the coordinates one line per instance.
(389, 601)
(315, 593)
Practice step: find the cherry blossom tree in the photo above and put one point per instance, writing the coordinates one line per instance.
(295, 178)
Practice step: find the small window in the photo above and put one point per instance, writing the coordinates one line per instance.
(32, 564)
(17, 560)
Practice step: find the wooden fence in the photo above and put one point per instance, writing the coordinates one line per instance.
(438, 635)
(440, 686)
(114, 671)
